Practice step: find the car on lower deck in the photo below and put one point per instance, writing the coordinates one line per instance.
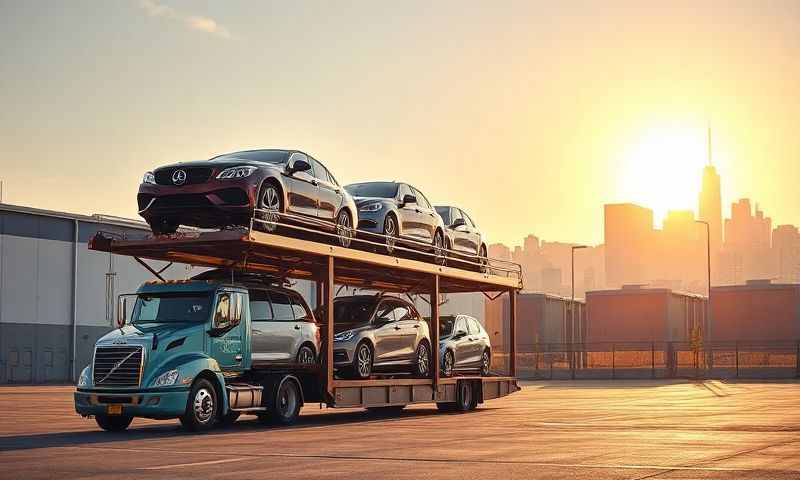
(400, 214)
(464, 346)
(228, 190)
(379, 333)
(462, 236)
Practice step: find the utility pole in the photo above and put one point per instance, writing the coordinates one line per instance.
(708, 265)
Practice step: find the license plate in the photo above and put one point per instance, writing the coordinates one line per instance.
(115, 409)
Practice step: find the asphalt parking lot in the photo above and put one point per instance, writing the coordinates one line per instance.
(583, 429)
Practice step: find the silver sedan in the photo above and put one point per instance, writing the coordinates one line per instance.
(464, 345)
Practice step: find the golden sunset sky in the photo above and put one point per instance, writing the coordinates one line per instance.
(530, 115)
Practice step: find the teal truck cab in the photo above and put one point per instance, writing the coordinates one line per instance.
(186, 353)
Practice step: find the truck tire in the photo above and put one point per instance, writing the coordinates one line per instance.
(287, 402)
(465, 397)
(202, 408)
(113, 423)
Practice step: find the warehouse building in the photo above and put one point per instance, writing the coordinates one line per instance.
(635, 313)
(757, 311)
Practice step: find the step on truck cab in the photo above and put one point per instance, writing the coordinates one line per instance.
(179, 356)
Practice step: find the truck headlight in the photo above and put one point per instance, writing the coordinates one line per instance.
(149, 178)
(167, 378)
(236, 172)
(344, 336)
(84, 380)
(372, 207)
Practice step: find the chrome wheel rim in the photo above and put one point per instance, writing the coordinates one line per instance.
(344, 230)
(483, 260)
(390, 231)
(305, 356)
(485, 363)
(271, 204)
(364, 361)
(423, 359)
(448, 364)
(203, 405)
(287, 400)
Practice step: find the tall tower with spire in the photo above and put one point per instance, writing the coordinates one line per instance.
(711, 203)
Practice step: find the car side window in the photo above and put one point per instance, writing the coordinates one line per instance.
(456, 214)
(319, 171)
(331, 179)
(468, 220)
(403, 191)
(474, 326)
(461, 326)
(385, 312)
(401, 311)
(260, 307)
(421, 200)
(281, 307)
(299, 310)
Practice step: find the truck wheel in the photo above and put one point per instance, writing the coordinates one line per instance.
(286, 407)
(202, 410)
(116, 423)
(465, 397)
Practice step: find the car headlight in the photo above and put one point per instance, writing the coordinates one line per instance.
(84, 380)
(236, 172)
(149, 178)
(344, 336)
(372, 207)
(167, 378)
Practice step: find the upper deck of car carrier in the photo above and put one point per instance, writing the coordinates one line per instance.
(290, 257)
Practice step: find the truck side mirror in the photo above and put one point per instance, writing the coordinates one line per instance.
(122, 311)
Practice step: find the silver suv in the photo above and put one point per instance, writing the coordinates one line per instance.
(381, 334)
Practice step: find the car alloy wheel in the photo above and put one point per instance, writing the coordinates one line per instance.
(363, 361)
(448, 363)
(344, 230)
(486, 363)
(423, 360)
(390, 232)
(305, 356)
(270, 205)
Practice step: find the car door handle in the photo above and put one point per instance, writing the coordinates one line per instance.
(238, 358)
(297, 327)
(397, 327)
(416, 326)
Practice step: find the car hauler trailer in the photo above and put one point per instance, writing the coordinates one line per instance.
(277, 392)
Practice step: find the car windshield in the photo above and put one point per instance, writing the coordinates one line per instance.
(374, 189)
(177, 308)
(276, 157)
(446, 325)
(444, 212)
(353, 312)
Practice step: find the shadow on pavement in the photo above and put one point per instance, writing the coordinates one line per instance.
(246, 424)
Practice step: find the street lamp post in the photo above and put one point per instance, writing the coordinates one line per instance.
(708, 279)
(572, 298)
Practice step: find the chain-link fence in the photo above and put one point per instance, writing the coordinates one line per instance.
(641, 360)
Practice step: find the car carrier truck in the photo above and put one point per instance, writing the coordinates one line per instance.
(202, 371)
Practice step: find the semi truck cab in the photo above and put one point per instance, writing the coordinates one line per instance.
(183, 354)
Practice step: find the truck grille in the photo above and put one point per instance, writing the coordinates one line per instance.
(117, 366)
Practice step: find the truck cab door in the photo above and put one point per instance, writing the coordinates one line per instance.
(227, 342)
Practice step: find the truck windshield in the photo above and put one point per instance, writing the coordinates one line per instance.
(164, 308)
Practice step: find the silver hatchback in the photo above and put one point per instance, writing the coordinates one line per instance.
(282, 327)
(464, 345)
(375, 333)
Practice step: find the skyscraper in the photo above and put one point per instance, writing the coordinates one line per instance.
(629, 244)
(711, 204)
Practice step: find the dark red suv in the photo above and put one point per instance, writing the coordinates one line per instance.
(226, 190)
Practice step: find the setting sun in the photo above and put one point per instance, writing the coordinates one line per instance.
(660, 168)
